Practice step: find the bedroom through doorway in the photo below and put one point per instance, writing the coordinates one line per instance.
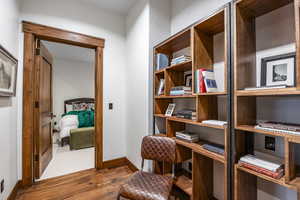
(67, 81)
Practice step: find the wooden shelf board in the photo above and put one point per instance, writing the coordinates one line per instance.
(277, 181)
(213, 24)
(258, 8)
(185, 66)
(269, 92)
(174, 97)
(211, 93)
(295, 182)
(161, 134)
(188, 121)
(161, 71)
(176, 42)
(197, 147)
(250, 128)
(160, 115)
(185, 184)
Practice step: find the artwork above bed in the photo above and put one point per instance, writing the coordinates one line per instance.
(79, 104)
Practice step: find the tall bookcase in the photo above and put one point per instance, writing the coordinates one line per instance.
(199, 40)
(248, 103)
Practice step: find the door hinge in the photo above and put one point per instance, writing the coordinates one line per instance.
(36, 158)
(36, 104)
(37, 51)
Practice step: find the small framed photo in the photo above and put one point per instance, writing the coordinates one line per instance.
(170, 109)
(188, 78)
(278, 70)
(8, 73)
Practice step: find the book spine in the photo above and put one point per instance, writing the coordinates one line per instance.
(201, 81)
(275, 175)
(196, 81)
(214, 149)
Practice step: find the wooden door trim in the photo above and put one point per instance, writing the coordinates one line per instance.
(62, 36)
(32, 32)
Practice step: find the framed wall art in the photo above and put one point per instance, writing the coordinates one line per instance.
(8, 73)
(278, 70)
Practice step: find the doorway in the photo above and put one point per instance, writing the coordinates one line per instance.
(33, 33)
(64, 142)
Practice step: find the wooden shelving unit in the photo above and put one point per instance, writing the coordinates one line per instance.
(199, 40)
(246, 104)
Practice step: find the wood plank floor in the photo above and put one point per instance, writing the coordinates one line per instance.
(85, 185)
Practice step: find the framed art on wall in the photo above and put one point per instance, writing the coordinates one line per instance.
(278, 70)
(8, 73)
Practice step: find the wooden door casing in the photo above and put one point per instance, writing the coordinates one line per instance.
(33, 31)
(43, 109)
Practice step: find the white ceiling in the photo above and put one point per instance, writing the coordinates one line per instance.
(119, 6)
(69, 52)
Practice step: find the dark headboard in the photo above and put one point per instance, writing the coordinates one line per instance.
(77, 101)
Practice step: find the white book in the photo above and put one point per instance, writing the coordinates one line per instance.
(186, 136)
(209, 80)
(277, 130)
(265, 87)
(215, 122)
(261, 163)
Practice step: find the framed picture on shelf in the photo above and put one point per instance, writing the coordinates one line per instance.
(161, 87)
(8, 73)
(170, 109)
(188, 78)
(278, 70)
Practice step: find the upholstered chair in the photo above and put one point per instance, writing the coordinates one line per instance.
(149, 186)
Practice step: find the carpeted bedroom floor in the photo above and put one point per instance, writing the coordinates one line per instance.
(65, 161)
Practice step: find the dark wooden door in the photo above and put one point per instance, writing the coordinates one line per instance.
(43, 109)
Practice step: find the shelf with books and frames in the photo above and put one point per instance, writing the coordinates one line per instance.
(266, 89)
(179, 108)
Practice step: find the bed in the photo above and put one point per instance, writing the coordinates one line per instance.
(74, 129)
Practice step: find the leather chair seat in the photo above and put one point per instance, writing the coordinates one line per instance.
(144, 185)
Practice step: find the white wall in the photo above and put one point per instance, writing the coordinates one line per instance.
(137, 45)
(160, 29)
(9, 12)
(71, 79)
(187, 12)
(91, 20)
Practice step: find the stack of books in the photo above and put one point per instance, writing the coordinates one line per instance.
(189, 137)
(219, 149)
(268, 168)
(180, 90)
(205, 81)
(180, 59)
(187, 114)
(279, 127)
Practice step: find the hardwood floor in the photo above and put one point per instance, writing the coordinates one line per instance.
(86, 185)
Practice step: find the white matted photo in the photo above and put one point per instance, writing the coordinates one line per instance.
(170, 109)
(8, 73)
(279, 70)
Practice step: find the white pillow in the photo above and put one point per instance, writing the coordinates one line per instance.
(69, 108)
(69, 121)
(65, 132)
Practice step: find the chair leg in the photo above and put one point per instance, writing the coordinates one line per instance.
(119, 197)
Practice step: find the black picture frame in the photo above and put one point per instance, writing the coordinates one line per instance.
(9, 56)
(264, 61)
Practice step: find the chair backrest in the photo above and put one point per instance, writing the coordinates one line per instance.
(159, 149)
